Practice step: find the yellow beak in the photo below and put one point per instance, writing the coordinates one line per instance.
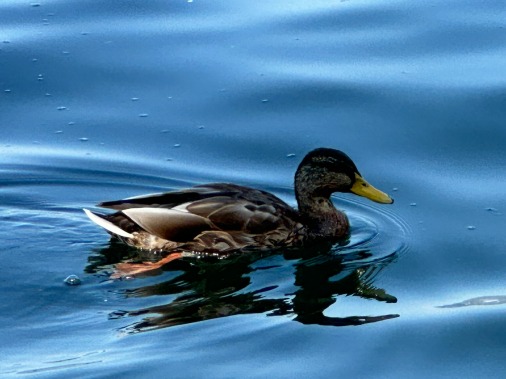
(362, 188)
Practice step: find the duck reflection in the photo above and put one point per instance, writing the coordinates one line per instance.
(207, 289)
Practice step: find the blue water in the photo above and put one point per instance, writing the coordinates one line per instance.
(105, 100)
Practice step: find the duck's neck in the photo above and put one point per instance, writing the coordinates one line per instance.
(323, 220)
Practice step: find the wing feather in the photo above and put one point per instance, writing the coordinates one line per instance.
(169, 224)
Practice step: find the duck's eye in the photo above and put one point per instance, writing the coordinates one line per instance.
(364, 184)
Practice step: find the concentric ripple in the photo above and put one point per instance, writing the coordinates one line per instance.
(374, 228)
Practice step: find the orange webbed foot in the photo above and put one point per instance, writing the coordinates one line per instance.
(126, 269)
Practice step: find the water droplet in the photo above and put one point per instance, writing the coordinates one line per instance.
(65, 52)
(35, 60)
(72, 280)
(61, 108)
(35, 5)
(164, 131)
(291, 155)
(493, 210)
(189, 1)
(200, 127)
(58, 132)
(48, 94)
(395, 189)
(412, 205)
(84, 139)
(84, 33)
(71, 123)
(7, 91)
(471, 227)
(143, 115)
(169, 97)
(265, 100)
(40, 77)
(134, 98)
(177, 145)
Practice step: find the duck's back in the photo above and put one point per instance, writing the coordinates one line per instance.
(214, 217)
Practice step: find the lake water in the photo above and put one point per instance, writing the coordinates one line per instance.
(106, 100)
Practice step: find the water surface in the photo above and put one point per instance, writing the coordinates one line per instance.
(101, 101)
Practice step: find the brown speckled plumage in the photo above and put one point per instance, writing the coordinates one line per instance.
(220, 218)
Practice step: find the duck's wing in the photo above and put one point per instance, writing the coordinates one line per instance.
(208, 215)
(168, 224)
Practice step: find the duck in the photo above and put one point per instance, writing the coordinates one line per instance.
(220, 218)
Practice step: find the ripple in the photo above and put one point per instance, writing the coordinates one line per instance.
(373, 228)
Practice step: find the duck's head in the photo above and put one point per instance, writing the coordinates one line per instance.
(324, 171)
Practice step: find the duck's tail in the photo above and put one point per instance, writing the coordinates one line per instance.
(100, 220)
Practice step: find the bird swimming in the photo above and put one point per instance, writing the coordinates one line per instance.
(220, 218)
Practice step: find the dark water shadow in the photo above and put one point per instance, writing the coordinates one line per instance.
(206, 289)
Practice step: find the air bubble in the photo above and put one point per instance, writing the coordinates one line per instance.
(291, 155)
(72, 280)
(471, 227)
(143, 115)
